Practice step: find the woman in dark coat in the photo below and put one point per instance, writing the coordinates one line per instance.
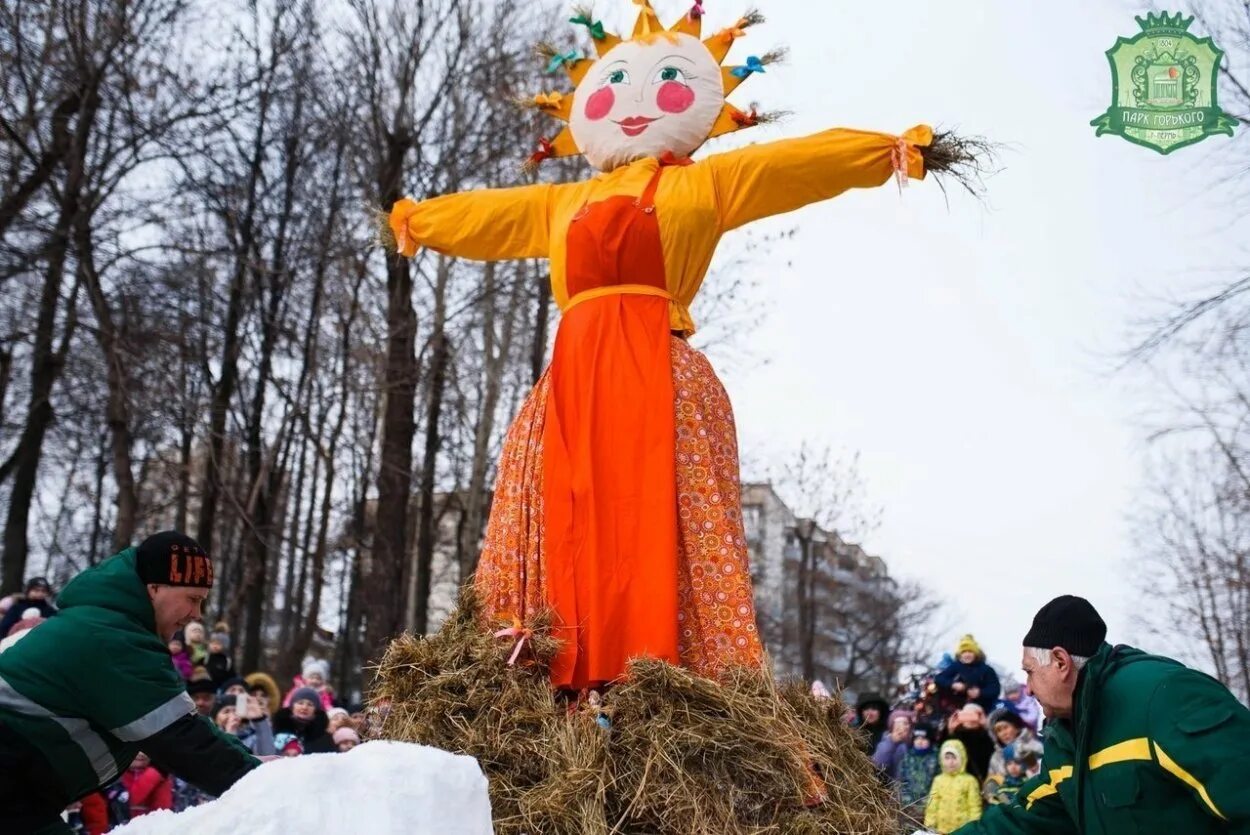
(870, 717)
(306, 720)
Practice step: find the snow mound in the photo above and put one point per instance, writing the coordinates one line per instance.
(378, 787)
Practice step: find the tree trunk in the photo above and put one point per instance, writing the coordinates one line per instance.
(46, 361)
(496, 362)
(97, 522)
(542, 312)
(6, 370)
(186, 435)
(440, 351)
(62, 140)
(384, 582)
(292, 603)
(304, 641)
(223, 392)
(117, 414)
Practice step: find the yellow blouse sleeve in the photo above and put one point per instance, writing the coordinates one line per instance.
(484, 225)
(777, 177)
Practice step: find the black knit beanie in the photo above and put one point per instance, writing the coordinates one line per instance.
(1068, 622)
(170, 558)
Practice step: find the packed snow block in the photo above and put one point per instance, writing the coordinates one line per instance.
(378, 787)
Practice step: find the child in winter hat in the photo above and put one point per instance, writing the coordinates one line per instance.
(920, 765)
(346, 738)
(315, 674)
(220, 665)
(181, 658)
(287, 745)
(197, 645)
(955, 797)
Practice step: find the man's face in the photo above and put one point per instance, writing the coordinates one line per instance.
(871, 716)
(967, 656)
(203, 703)
(175, 607)
(303, 710)
(1052, 685)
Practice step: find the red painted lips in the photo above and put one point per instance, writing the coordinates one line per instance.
(634, 125)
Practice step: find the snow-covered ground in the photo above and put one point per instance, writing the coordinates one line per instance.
(379, 787)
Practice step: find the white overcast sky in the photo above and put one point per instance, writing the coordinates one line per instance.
(965, 352)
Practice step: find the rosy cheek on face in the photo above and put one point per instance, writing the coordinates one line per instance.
(600, 103)
(674, 98)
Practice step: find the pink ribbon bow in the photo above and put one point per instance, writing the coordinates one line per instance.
(898, 158)
(516, 630)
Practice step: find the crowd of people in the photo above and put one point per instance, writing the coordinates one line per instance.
(308, 719)
(958, 740)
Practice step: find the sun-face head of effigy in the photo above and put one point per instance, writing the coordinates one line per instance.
(659, 93)
(647, 97)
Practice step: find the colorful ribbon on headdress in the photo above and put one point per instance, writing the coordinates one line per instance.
(696, 11)
(516, 630)
(548, 99)
(753, 65)
(898, 158)
(545, 151)
(559, 60)
(738, 30)
(595, 27)
(744, 118)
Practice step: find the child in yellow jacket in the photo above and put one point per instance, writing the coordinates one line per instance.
(955, 798)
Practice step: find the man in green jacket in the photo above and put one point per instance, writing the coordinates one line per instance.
(1134, 743)
(86, 690)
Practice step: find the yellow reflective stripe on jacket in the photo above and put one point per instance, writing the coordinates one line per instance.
(1129, 750)
(1057, 776)
(1188, 779)
(1126, 751)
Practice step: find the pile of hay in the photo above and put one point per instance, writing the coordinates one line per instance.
(683, 754)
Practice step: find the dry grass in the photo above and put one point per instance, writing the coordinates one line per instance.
(965, 160)
(684, 756)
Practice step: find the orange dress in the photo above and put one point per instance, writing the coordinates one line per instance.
(617, 500)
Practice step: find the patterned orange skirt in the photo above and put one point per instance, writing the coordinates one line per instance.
(716, 609)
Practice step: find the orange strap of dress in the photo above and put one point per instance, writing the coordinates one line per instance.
(609, 483)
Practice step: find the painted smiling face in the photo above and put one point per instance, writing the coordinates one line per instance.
(641, 99)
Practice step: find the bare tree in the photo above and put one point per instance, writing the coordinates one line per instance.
(1194, 541)
(852, 621)
(828, 496)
